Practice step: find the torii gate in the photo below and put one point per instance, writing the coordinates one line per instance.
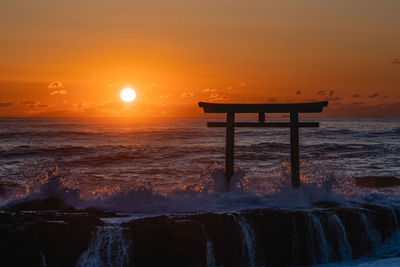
(230, 124)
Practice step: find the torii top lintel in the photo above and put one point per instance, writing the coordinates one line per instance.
(312, 107)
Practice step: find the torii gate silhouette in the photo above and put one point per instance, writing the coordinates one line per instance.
(293, 108)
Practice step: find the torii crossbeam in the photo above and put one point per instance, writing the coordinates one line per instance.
(293, 108)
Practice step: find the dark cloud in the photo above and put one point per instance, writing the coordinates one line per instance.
(271, 100)
(28, 102)
(396, 61)
(321, 92)
(385, 96)
(331, 97)
(356, 95)
(373, 95)
(298, 92)
(5, 104)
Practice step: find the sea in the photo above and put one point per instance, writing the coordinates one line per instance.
(156, 166)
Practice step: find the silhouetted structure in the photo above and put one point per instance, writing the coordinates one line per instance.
(230, 124)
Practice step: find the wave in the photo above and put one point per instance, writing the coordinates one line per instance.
(209, 193)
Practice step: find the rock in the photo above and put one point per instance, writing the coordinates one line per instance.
(377, 181)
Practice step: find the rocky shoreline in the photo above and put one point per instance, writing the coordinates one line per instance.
(50, 233)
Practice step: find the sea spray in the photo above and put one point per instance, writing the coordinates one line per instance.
(248, 238)
(109, 247)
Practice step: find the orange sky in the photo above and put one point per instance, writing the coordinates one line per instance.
(72, 58)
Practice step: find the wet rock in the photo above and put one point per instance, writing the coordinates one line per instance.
(377, 181)
(44, 233)
(164, 241)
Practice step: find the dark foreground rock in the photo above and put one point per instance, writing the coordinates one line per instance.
(269, 237)
(58, 235)
(31, 237)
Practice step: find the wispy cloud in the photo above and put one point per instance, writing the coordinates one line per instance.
(357, 103)
(333, 98)
(373, 95)
(321, 92)
(55, 85)
(187, 94)
(5, 104)
(208, 90)
(34, 104)
(356, 95)
(59, 92)
(241, 84)
(396, 61)
(217, 97)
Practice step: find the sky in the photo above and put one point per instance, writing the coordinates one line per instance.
(70, 58)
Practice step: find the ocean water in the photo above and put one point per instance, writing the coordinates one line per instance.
(150, 167)
(101, 158)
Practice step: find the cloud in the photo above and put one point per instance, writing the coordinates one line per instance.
(385, 96)
(321, 92)
(357, 103)
(356, 95)
(272, 100)
(187, 94)
(298, 92)
(373, 95)
(333, 98)
(5, 104)
(59, 92)
(55, 85)
(214, 95)
(28, 102)
(229, 88)
(164, 96)
(330, 93)
(396, 61)
(34, 104)
(242, 84)
(208, 90)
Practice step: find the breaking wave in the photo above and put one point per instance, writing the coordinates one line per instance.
(208, 193)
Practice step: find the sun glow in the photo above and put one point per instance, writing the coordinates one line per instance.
(128, 95)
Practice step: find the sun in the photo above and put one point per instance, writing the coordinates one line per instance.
(127, 94)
